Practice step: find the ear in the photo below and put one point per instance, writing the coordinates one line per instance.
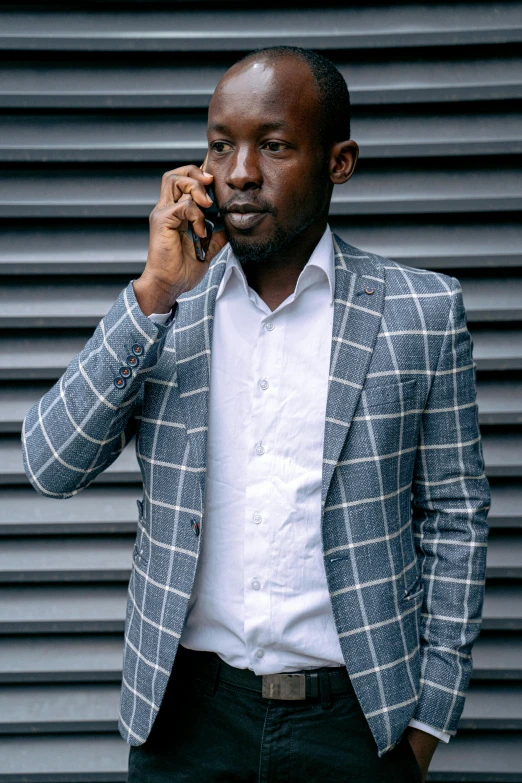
(343, 158)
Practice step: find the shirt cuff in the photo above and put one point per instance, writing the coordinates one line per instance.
(442, 735)
(160, 318)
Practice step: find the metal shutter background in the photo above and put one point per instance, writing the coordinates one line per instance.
(96, 104)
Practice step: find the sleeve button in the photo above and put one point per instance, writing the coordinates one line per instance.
(120, 382)
(132, 361)
(125, 372)
(137, 349)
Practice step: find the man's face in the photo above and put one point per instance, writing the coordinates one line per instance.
(270, 171)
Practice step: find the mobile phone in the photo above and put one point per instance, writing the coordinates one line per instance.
(213, 222)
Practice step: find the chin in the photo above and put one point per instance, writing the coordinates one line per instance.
(258, 248)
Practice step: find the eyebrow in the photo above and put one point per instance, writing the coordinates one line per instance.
(217, 127)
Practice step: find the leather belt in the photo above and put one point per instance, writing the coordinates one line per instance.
(288, 686)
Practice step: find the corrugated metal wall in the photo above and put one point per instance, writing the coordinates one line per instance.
(96, 105)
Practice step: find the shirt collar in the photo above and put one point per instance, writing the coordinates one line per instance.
(322, 259)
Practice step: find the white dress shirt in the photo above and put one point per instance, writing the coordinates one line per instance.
(260, 597)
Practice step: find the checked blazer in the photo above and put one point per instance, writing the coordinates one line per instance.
(404, 496)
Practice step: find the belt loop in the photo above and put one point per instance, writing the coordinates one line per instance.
(326, 696)
(215, 670)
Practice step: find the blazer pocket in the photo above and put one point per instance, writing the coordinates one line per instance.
(137, 551)
(414, 591)
(388, 394)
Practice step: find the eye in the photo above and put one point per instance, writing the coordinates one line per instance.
(275, 146)
(220, 146)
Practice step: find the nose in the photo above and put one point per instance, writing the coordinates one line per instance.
(244, 172)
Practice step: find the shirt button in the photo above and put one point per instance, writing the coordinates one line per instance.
(260, 449)
(263, 384)
(256, 585)
(257, 518)
(260, 653)
(269, 326)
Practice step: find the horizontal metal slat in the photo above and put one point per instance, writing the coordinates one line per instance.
(35, 304)
(496, 350)
(137, 138)
(499, 403)
(105, 509)
(66, 559)
(504, 557)
(502, 608)
(476, 757)
(56, 249)
(38, 357)
(58, 708)
(231, 30)
(497, 657)
(62, 609)
(131, 85)
(94, 758)
(502, 454)
(81, 192)
(85, 707)
(98, 658)
(106, 559)
(62, 658)
(103, 758)
(69, 608)
(506, 505)
(123, 469)
(95, 510)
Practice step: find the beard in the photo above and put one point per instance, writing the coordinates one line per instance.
(260, 252)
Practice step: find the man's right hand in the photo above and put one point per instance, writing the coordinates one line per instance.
(172, 267)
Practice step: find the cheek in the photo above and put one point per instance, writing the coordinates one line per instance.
(299, 202)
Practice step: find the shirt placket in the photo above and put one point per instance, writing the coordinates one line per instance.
(261, 465)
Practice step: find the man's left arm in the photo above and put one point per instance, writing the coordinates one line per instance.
(451, 500)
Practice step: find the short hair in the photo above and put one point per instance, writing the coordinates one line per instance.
(334, 97)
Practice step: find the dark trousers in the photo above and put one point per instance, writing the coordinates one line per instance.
(209, 729)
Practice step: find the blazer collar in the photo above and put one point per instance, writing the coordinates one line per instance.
(358, 307)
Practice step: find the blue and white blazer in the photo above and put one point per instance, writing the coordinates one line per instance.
(404, 496)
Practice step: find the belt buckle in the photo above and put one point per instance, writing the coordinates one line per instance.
(290, 687)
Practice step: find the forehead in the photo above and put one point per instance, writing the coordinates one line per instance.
(266, 91)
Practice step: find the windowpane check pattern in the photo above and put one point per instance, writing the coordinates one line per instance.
(404, 497)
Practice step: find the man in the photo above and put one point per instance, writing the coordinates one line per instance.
(307, 579)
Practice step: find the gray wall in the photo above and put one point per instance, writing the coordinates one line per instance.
(96, 105)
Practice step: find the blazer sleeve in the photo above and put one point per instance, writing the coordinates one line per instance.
(84, 422)
(451, 499)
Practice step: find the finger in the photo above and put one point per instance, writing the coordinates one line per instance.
(194, 175)
(176, 216)
(191, 212)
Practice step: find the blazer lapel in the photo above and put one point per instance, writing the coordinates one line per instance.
(358, 307)
(193, 341)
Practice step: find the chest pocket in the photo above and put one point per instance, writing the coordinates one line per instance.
(389, 394)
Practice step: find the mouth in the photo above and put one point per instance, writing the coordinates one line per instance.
(244, 220)
(244, 216)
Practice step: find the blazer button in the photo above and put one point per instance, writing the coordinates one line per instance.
(132, 361)
(120, 382)
(137, 349)
(125, 372)
(195, 526)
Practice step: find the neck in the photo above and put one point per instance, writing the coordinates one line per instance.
(275, 279)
